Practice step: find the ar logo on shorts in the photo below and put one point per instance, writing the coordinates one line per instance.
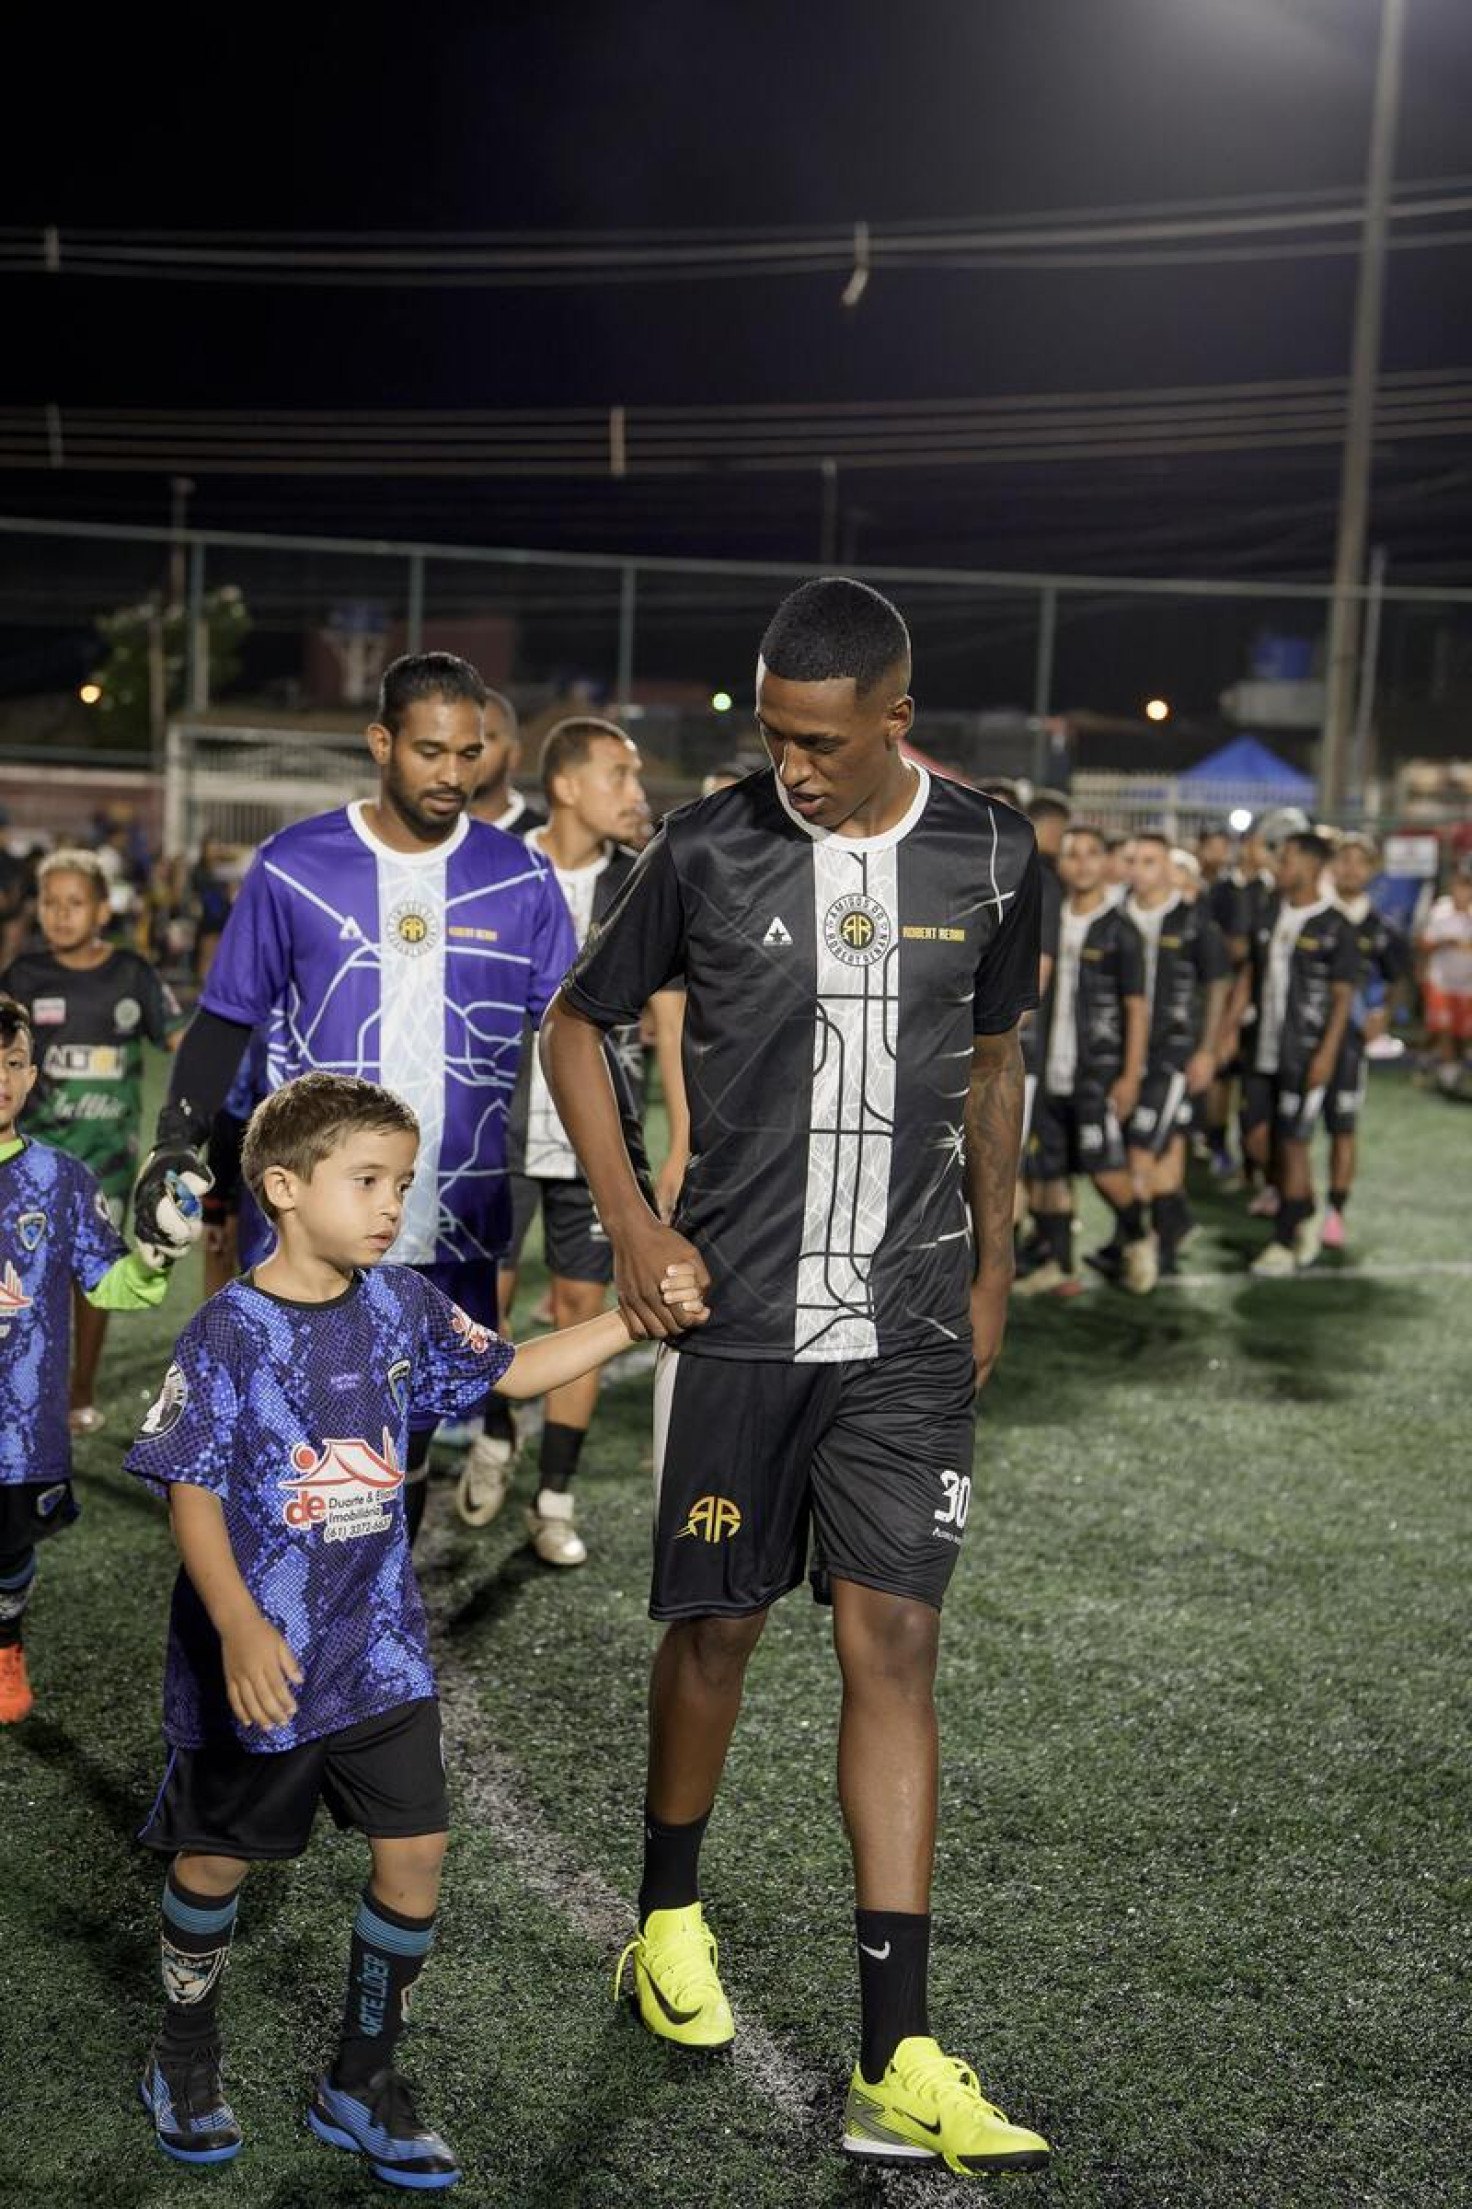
(712, 1519)
(857, 930)
(167, 1407)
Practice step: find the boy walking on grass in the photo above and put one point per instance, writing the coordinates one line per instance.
(298, 1668)
(55, 1230)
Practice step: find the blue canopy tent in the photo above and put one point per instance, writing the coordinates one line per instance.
(1246, 765)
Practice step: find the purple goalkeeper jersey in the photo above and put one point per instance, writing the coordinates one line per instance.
(415, 969)
(55, 1228)
(297, 1417)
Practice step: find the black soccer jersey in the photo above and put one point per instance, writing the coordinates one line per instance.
(1324, 951)
(1187, 956)
(834, 986)
(1051, 890)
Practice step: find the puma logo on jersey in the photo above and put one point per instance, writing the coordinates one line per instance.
(778, 932)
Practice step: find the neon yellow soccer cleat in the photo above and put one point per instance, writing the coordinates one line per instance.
(929, 2104)
(678, 1993)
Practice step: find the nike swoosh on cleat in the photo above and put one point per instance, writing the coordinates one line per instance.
(911, 2119)
(676, 2017)
(880, 1955)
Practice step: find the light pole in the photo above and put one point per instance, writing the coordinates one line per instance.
(1354, 481)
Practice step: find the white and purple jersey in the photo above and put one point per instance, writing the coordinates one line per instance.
(418, 970)
(297, 1417)
(55, 1228)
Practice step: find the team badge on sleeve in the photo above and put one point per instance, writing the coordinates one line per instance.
(167, 1408)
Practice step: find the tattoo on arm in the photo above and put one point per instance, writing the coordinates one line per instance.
(993, 1130)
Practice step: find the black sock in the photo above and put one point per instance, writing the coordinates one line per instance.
(386, 1958)
(1056, 1229)
(1338, 1198)
(17, 1572)
(1129, 1221)
(1216, 1135)
(416, 1496)
(557, 1460)
(1170, 1216)
(671, 1864)
(498, 1420)
(894, 1966)
(196, 1945)
(1290, 1216)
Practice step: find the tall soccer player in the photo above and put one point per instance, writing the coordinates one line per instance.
(858, 943)
(400, 941)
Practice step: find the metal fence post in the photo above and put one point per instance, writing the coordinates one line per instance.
(197, 636)
(1042, 682)
(414, 623)
(628, 586)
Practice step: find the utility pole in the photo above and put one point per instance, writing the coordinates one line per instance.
(1354, 482)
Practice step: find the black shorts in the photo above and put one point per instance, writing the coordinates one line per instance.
(1281, 1102)
(386, 1777)
(32, 1509)
(872, 1457)
(1345, 1101)
(1163, 1112)
(573, 1240)
(1073, 1135)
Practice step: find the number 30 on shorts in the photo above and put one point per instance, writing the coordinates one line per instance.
(958, 1499)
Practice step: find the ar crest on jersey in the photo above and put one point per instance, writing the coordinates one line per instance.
(345, 1489)
(857, 930)
(412, 928)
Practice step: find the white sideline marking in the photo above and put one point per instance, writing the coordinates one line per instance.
(549, 1868)
(1453, 1269)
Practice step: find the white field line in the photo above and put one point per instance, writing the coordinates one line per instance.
(1446, 1269)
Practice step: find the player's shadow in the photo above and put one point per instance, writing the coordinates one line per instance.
(123, 1801)
(494, 1597)
(1059, 1358)
(1315, 1338)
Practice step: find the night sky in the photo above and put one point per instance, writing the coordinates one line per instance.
(738, 117)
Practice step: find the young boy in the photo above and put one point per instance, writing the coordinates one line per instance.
(55, 1229)
(298, 1667)
(95, 1005)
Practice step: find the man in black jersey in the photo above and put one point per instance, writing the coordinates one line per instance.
(1385, 956)
(1304, 965)
(1237, 901)
(858, 942)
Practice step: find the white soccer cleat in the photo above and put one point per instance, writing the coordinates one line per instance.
(484, 1478)
(1308, 1237)
(1276, 1263)
(555, 1537)
(1140, 1265)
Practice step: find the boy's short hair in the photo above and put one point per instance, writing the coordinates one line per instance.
(15, 1020)
(1048, 805)
(1086, 828)
(72, 859)
(1309, 840)
(304, 1121)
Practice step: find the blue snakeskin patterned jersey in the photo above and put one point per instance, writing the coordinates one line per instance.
(55, 1228)
(297, 1417)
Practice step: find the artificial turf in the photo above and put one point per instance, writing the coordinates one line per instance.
(1202, 1895)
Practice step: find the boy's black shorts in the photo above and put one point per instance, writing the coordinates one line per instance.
(32, 1509)
(1346, 1098)
(871, 1456)
(1073, 1135)
(385, 1776)
(1163, 1112)
(1281, 1102)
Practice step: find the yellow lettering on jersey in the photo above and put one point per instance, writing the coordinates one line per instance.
(474, 935)
(918, 934)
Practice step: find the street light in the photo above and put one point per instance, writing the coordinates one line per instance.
(1239, 820)
(720, 701)
(90, 694)
(1157, 709)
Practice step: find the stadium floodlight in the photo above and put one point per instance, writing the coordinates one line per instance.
(90, 694)
(1239, 819)
(720, 701)
(1157, 709)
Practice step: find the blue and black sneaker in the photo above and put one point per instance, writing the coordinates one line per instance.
(378, 2120)
(191, 2117)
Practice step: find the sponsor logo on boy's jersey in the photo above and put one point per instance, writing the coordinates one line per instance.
(13, 1297)
(345, 1489)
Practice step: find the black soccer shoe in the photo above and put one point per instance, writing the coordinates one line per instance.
(192, 2120)
(378, 2121)
(1107, 1260)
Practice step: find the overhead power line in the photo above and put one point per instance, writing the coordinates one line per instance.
(632, 442)
(1289, 225)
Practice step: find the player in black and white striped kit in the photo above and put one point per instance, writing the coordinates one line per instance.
(858, 942)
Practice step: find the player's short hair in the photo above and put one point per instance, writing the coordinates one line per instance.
(832, 628)
(1048, 805)
(1308, 839)
(568, 744)
(15, 1021)
(73, 859)
(1152, 836)
(1087, 828)
(418, 675)
(498, 701)
(1357, 839)
(304, 1121)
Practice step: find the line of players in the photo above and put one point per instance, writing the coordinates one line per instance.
(1173, 981)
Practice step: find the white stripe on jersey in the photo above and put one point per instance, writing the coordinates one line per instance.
(855, 1039)
(411, 1039)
